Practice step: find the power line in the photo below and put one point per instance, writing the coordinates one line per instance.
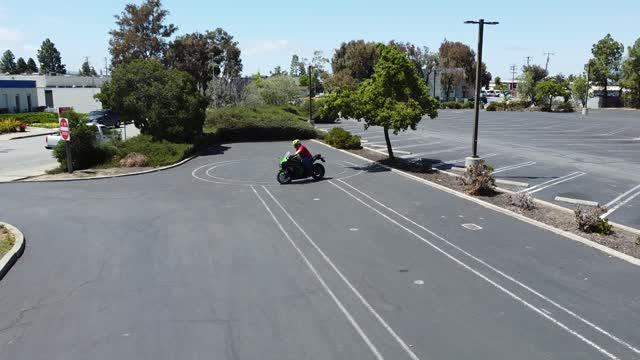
(513, 75)
(546, 67)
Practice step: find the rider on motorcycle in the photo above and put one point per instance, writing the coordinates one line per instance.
(305, 155)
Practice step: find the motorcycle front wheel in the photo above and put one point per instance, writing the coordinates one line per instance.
(318, 171)
(284, 177)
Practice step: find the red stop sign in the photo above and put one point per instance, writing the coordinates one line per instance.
(64, 129)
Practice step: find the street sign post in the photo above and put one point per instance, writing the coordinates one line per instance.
(65, 134)
(64, 129)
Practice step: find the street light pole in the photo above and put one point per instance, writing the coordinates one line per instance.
(310, 99)
(585, 108)
(475, 159)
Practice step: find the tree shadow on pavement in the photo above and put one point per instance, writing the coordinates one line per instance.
(214, 150)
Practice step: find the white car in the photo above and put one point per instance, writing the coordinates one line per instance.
(50, 141)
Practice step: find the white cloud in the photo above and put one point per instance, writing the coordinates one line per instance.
(266, 47)
(29, 47)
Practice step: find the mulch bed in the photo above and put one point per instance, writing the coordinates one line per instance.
(620, 240)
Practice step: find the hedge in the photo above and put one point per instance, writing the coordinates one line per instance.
(30, 118)
(265, 123)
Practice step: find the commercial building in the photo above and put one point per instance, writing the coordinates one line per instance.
(17, 96)
(53, 91)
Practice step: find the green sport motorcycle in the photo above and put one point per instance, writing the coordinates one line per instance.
(291, 169)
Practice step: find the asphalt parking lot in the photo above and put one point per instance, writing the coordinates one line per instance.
(593, 158)
(214, 259)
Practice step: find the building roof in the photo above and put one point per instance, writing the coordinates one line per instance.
(17, 84)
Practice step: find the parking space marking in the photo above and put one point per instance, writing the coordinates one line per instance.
(417, 145)
(553, 182)
(322, 282)
(577, 201)
(620, 201)
(452, 162)
(614, 132)
(436, 152)
(512, 167)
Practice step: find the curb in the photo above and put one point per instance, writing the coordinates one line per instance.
(26, 179)
(31, 136)
(12, 256)
(501, 210)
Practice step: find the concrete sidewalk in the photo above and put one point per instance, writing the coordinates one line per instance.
(31, 132)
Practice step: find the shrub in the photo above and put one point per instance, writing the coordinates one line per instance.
(342, 139)
(522, 200)
(157, 152)
(493, 107)
(468, 105)
(565, 107)
(452, 105)
(8, 125)
(29, 118)
(134, 160)
(163, 103)
(589, 220)
(478, 179)
(85, 152)
(45, 125)
(265, 123)
(22, 126)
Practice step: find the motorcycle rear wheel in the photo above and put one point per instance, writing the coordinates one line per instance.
(284, 177)
(318, 172)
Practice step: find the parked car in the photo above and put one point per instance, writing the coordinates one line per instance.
(105, 117)
(50, 141)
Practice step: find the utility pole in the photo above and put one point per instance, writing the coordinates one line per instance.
(513, 78)
(546, 67)
(106, 67)
(475, 159)
(585, 108)
(528, 58)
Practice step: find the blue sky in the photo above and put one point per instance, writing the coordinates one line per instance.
(269, 32)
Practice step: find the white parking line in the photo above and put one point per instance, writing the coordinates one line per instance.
(614, 132)
(348, 315)
(512, 167)
(452, 162)
(435, 152)
(417, 145)
(366, 304)
(478, 273)
(547, 184)
(618, 202)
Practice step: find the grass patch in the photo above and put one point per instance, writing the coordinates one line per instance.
(264, 123)
(157, 153)
(7, 240)
(45, 125)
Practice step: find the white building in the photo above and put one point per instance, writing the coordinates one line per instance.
(17, 96)
(459, 92)
(55, 91)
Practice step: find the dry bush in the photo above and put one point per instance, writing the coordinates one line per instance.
(134, 160)
(589, 221)
(523, 201)
(478, 180)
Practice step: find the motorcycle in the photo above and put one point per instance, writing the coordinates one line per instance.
(291, 169)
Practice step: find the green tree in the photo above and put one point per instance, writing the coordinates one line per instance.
(8, 63)
(537, 71)
(294, 69)
(395, 97)
(580, 90)
(32, 68)
(631, 75)
(21, 66)
(226, 62)
(457, 62)
(49, 59)
(85, 69)
(421, 57)
(340, 81)
(279, 90)
(205, 56)
(527, 87)
(141, 33)
(605, 64)
(277, 71)
(163, 103)
(357, 57)
(547, 90)
(499, 85)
